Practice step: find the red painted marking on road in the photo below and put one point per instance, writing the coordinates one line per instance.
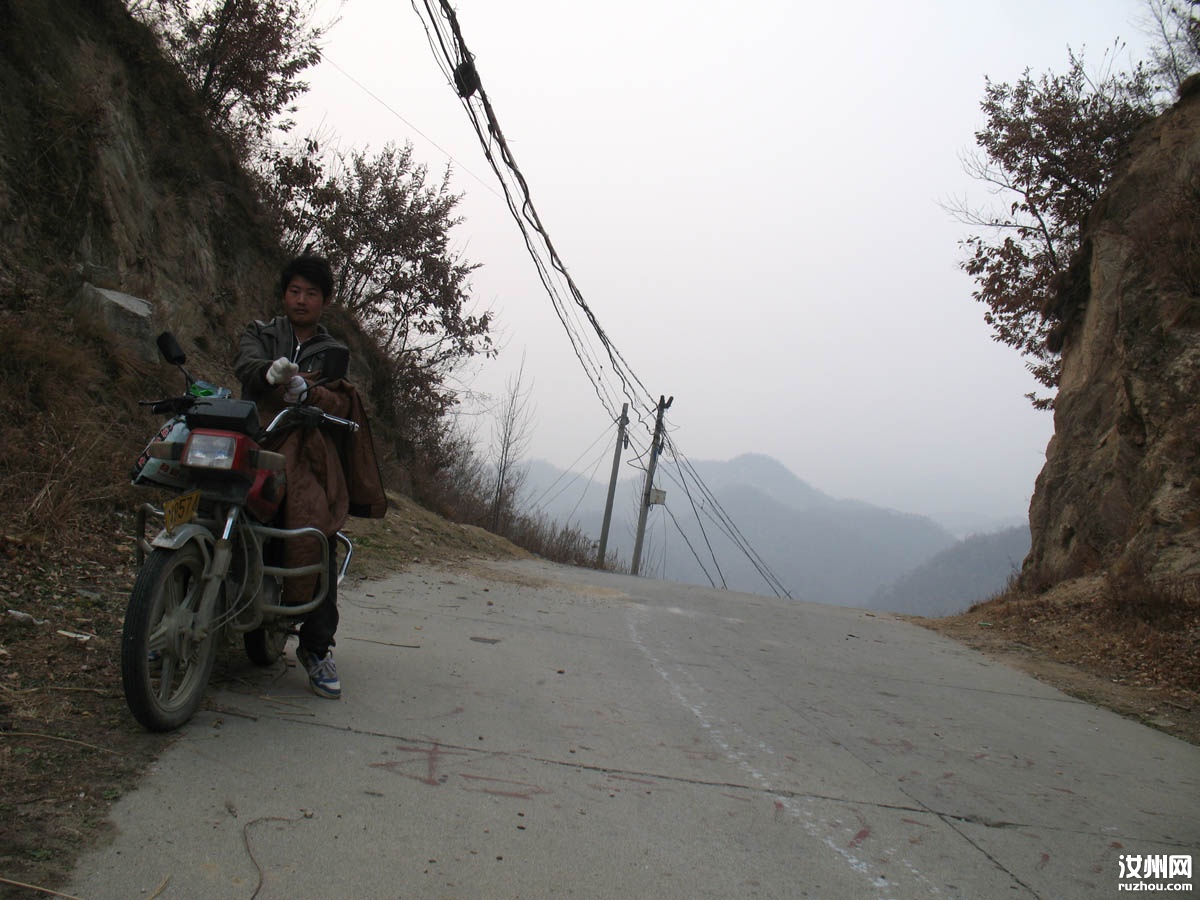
(433, 754)
(863, 834)
(915, 822)
(1042, 862)
(864, 830)
(531, 790)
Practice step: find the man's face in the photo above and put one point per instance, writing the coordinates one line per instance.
(303, 303)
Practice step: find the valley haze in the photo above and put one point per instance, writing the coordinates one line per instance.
(824, 549)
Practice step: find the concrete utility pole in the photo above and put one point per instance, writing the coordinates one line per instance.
(655, 450)
(612, 485)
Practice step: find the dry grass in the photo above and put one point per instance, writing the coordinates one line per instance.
(1118, 642)
(69, 428)
(462, 493)
(68, 420)
(68, 747)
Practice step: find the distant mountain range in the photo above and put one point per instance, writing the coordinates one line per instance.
(824, 549)
(974, 569)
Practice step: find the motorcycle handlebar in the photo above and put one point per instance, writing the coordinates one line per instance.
(173, 405)
(311, 413)
(337, 420)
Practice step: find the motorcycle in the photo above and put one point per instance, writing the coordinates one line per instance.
(212, 569)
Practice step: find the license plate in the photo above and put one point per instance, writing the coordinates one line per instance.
(180, 510)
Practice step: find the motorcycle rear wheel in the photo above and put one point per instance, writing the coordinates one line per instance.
(266, 644)
(164, 666)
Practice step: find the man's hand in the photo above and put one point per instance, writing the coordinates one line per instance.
(295, 389)
(282, 371)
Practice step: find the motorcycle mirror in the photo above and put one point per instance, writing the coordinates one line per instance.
(170, 349)
(336, 364)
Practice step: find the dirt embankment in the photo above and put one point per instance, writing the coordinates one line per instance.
(1142, 664)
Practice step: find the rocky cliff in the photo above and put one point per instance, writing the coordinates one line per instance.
(112, 188)
(110, 175)
(1121, 484)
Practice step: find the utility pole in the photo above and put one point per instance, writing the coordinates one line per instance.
(655, 450)
(612, 485)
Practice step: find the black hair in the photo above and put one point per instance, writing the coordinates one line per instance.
(312, 268)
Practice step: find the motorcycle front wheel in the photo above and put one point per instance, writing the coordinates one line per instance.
(165, 664)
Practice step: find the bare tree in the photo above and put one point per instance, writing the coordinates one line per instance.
(1174, 28)
(510, 442)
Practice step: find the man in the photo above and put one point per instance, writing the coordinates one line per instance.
(328, 476)
(271, 355)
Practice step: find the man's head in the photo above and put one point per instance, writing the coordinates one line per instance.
(313, 269)
(305, 286)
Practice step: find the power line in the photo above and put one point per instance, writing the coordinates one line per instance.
(703, 533)
(695, 555)
(556, 271)
(457, 64)
(726, 523)
(370, 93)
(591, 477)
(538, 502)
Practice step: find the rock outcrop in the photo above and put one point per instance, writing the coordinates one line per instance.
(107, 165)
(1121, 484)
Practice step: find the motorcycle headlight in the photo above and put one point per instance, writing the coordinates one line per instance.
(210, 451)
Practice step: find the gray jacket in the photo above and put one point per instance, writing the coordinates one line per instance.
(264, 342)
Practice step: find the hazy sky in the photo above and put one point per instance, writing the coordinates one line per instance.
(748, 195)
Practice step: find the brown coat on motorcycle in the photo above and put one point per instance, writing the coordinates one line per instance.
(330, 476)
(331, 473)
(264, 342)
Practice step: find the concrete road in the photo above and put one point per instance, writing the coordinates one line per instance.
(545, 732)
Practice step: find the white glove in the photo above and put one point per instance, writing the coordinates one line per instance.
(295, 389)
(281, 370)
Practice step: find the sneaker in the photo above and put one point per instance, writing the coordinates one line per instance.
(322, 673)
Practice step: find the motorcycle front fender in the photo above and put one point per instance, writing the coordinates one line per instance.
(182, 535)
(215, 553)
